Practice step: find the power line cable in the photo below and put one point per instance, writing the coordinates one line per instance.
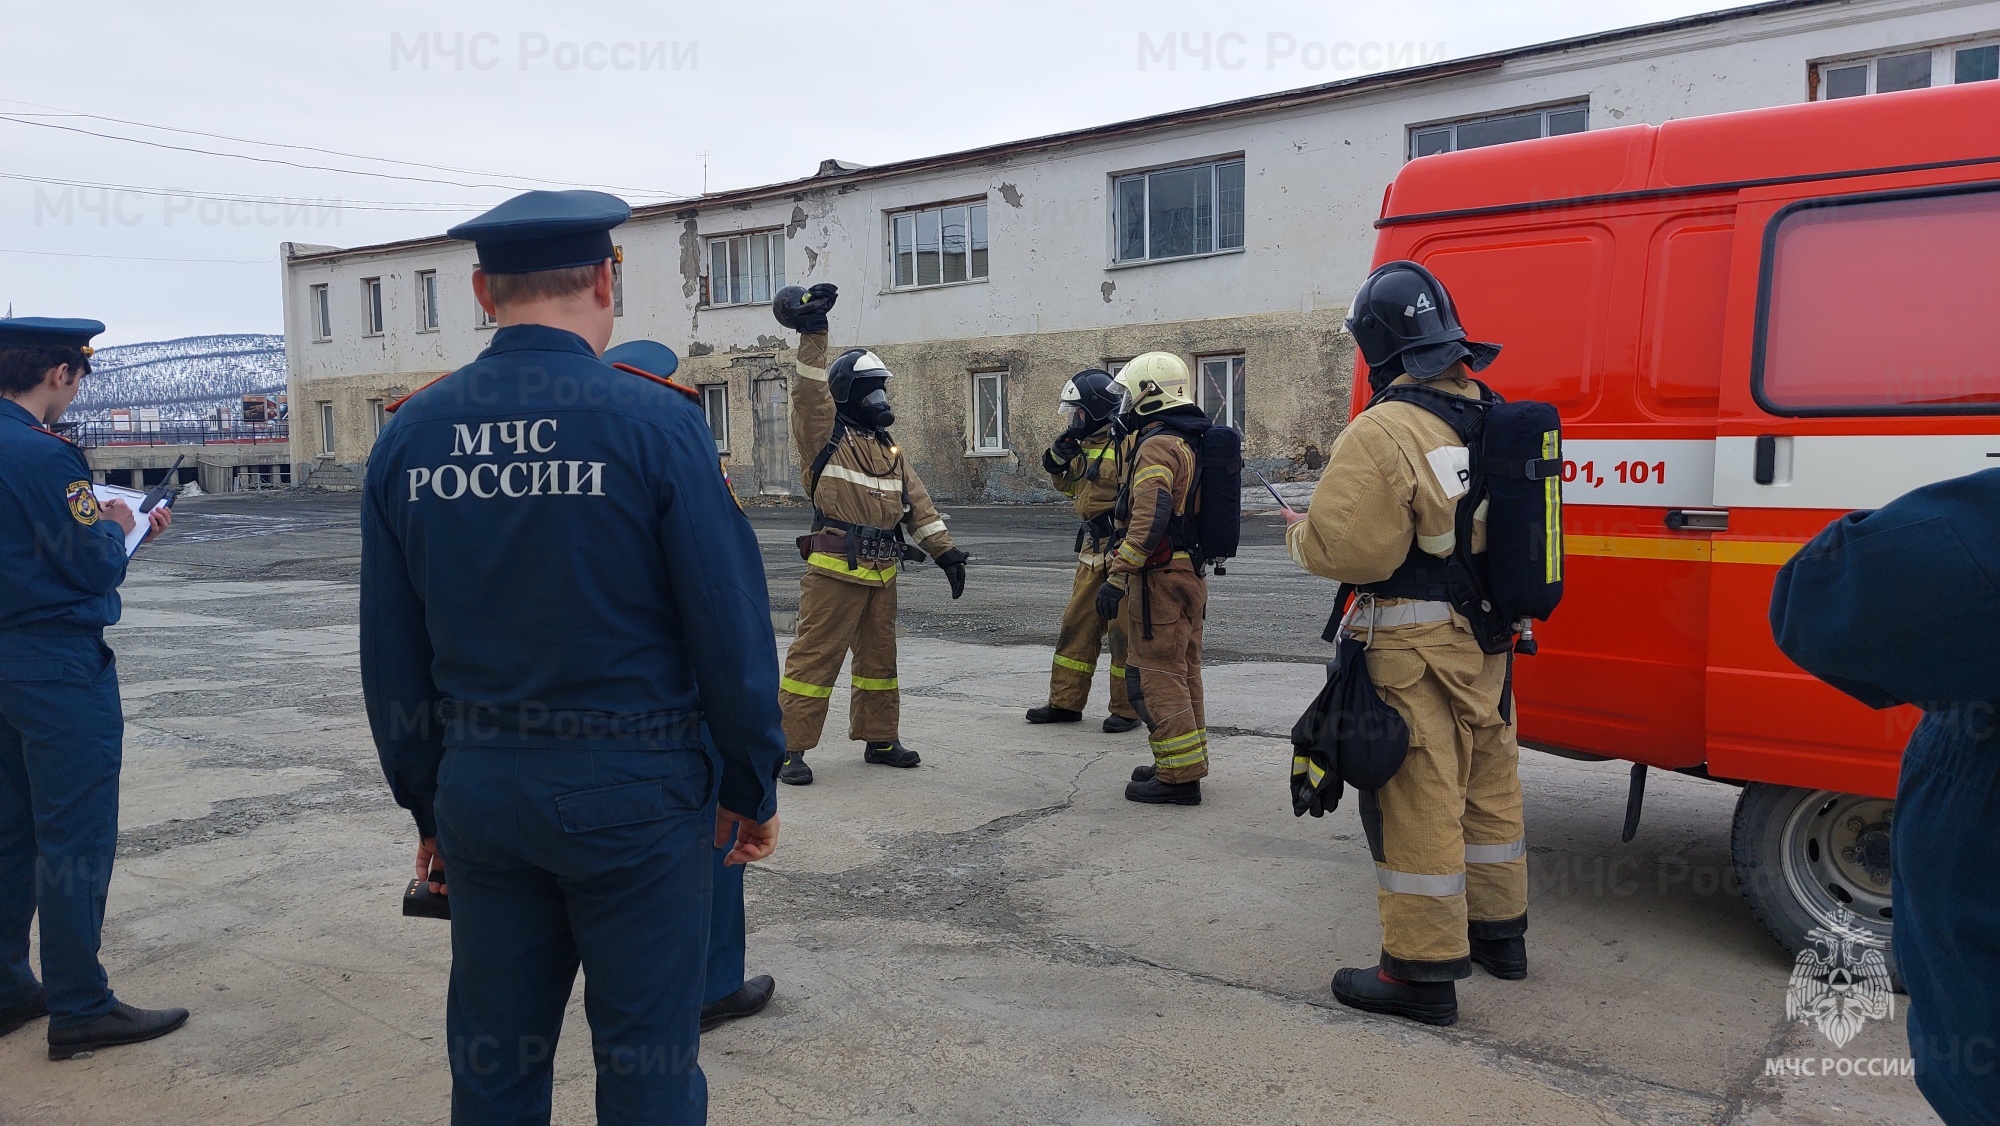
(144, 258)
(337, 152)
(226, 197)
(258, 159)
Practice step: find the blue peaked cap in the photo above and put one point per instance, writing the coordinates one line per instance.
(649, 356)
(544, 231)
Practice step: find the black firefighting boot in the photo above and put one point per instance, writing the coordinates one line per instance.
(1144, 773)
(1372, 990)
(1152, 791)
(795, 772)
(1504, 958)
(890, 754)
(1119, 724)
(1048, 713)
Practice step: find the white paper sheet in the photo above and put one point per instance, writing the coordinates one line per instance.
(133, 497)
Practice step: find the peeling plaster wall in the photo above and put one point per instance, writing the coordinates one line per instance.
(1054, 301)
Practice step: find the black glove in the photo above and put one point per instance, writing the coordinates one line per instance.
(1067, 448)
(804, 310)
(1108, 598)
(953, 562)
(810, 316)
(1054, 464)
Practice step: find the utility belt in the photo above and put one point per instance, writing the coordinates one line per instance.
(1097, 531)
(1369, 614)
(856, 542)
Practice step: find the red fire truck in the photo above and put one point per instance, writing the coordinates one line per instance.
(1751, 323)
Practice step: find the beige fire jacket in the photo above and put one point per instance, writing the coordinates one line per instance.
(866, 481)
(1393, 478)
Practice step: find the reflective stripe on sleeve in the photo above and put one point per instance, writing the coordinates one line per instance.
(801, 688)
(1073, 663)
(874, 684)
(1438, 545)
(1118, 671)
(1416, 883)
(856, 477)
(1496, 853)
(928, 530)
(1153, 473)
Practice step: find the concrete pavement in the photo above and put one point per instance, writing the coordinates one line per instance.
(996, 936)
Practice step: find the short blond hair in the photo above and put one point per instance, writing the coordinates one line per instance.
(541, 285)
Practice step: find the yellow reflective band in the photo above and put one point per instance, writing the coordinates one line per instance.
(1180, 742)
(1175, 762)
(874, 684)
(1152, 472)
(801, 688)
(839, 566)
(1118, 671)
(1306, 766)
(1131, 554)
(1552, 547)
(1098, 454)
(1072, 663)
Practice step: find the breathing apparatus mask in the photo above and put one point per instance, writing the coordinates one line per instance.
(859, 383)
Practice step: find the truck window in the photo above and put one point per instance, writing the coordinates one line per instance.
(1882, 306)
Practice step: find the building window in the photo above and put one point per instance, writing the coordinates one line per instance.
(746, 269)
(1910, 69)
(1499, 129)
(322, 314)
(715, 404)
(1219, 392)
(1175, 212)
(381, 415)
(989, 412)
(1823, 260)
(939, 245)
(371, 306)
(617, 281)
(484, 319)
(326, 429)
(427, 300)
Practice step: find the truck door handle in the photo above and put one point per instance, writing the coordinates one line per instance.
(1767, 459)
(1698, 519)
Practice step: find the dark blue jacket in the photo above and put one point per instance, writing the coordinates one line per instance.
(61, 557)
(550, 558)
(1902, 606)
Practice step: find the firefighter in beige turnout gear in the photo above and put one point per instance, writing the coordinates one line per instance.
(1085, 464)
(1154, 590)
(1446, 832)
(865, 497)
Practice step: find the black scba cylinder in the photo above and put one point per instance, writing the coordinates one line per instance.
(1522, 452)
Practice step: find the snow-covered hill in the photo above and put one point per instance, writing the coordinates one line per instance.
(187, 378)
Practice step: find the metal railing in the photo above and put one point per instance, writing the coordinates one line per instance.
(178, 432)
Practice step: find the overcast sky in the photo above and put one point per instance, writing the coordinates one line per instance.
(505, 90)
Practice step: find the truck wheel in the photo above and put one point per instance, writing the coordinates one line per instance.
(1814, 858)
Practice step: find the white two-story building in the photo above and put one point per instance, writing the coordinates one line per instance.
(1233, 234)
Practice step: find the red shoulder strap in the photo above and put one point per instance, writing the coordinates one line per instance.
(393, 407)
(662, 381)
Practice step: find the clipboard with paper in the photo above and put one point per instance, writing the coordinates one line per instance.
(134, 498)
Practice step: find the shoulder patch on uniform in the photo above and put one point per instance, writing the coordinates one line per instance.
(1453, 467)
(661, 380)
(82, 502)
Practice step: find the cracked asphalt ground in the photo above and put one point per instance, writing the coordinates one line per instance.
(995, 937)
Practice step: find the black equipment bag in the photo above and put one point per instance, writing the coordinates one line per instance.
(1348, 737)
(1219, 522)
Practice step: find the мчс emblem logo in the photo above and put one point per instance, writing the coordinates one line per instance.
(1840, 982)
(82, 502)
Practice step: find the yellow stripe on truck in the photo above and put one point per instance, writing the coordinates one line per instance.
(1770, 553)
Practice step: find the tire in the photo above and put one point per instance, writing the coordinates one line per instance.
(1811, 859)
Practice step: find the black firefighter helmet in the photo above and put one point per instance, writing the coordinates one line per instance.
(1404, 322)
(1090, 394)
(859, 383)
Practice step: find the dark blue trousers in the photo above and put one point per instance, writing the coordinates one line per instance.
(61, 744)
(725, 931)
(1947, 902)
(557, 858)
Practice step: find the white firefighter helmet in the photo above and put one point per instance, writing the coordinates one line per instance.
(1153, 382)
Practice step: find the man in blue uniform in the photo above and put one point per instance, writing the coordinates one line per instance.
(728, 995)
(1902, 606)
(61, 728)
(557, 591)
